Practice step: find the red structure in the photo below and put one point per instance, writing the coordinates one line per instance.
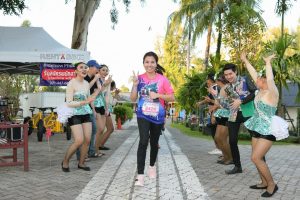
(14, 143)
(119, 124)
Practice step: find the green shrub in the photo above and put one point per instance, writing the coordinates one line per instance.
(130, 105)
(123, 112)
(292, 139)
(129, 112)
(120, 112)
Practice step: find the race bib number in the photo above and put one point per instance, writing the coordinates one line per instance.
(150, 108)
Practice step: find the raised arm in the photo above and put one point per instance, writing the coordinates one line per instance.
(95, 79)
(134, 92)
(249, 67)
(270, 75)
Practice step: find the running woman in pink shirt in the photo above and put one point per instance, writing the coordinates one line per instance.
(152, 90)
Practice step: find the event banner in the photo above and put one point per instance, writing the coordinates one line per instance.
(56, 74)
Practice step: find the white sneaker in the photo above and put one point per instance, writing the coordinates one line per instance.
(139, 181)
(215, 152)
(152, 172)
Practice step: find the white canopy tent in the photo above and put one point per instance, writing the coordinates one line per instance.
(23, 48)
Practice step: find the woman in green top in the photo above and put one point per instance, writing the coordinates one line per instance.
(78, 97)
(259, 125)
(99, 107)
(108, 108)
(221, 115)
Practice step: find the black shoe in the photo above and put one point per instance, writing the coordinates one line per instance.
(85, 168)
(235, 170)
(65, 169)
(267, 194)
(257, 187)
(220, 162)
(225, 163)
(104, 148)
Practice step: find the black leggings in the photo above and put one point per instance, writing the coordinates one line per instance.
(145, 128)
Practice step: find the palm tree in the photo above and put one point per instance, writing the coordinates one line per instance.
(281, 8)
(286, 66)
(198, 16)
(281, 45)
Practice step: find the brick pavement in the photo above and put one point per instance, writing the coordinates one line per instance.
(185, 171)
(283, 161)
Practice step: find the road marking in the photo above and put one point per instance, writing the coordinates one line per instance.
(98, 185)
(192, 187)
(115, 179)
(169, 183)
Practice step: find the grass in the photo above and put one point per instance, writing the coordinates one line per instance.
(244, 138)
(187, 131)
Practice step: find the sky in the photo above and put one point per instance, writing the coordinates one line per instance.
(122, 49)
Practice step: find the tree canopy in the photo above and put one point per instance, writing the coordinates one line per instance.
(12, 7)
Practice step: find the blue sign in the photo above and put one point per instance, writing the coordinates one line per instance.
(56, 74)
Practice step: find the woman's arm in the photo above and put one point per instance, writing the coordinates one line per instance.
(69, 97)
(249, 67)
(165, 97)
(107, 98)
(134, 91)
(168, 92)
(95, 80)
(97, 90)
(269, 75)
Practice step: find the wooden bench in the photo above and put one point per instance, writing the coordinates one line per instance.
(7, 143)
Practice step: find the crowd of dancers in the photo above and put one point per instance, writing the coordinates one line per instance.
(233, 99)
(90, 96)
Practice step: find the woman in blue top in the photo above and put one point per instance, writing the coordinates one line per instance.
(259, 125)
(153, 90)
(78, 97)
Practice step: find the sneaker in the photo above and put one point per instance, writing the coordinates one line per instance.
(215, 152)
(152, 172)
(139, 181)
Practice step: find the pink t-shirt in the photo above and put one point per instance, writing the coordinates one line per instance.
(152, 110)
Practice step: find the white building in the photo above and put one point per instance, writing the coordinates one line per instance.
(40, 100)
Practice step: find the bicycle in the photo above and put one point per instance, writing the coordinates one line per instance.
(42, 121)
(50, 121)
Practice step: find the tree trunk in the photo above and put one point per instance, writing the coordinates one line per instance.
(283, 4)
(84, 12)
(219, 41)
(280, 106)
(208, 38)
(188, 63)
(209, 32)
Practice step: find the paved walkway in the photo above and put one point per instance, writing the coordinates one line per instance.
(185, 171)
